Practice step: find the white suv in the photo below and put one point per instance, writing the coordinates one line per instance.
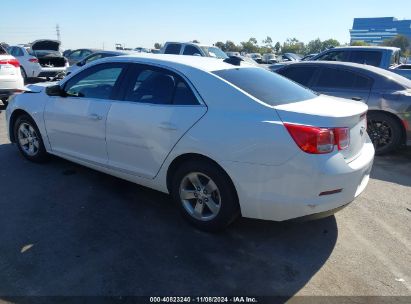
(193, 49)
(10, 75)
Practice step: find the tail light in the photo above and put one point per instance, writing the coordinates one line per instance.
(34, 60)
(314, 140)
(13, 62)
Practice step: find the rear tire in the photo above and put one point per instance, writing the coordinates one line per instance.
(210, 202)
(385, 132)
(28, 139)
(23, 74)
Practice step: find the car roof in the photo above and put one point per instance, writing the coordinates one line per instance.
(378, 72)
(206, 64)
(190, 43)
(369, 47)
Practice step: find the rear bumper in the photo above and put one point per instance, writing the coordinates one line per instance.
(292, 190)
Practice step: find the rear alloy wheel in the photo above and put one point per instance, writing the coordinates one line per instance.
(384, 131)
(5, 101)
(28, 139)
(205, 195)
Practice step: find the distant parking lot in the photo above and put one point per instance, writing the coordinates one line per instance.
(69, 230)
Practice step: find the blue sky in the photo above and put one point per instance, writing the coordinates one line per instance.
(95, 23)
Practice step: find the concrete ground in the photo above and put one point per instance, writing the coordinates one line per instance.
(68, 230)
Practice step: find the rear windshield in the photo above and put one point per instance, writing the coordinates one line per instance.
(268, 87)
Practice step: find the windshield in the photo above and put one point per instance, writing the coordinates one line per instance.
(215, 52)
(270, 88)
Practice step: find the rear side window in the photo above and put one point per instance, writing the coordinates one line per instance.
(173, 48)
(301, 74)
(266, 86)
(366, 57)
(343, 79)
(334, 56)
(191, 50)
(159, 86)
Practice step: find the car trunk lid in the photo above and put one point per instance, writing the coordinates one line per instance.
(46, 44)
(330, 112)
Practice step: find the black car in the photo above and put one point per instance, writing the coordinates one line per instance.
(388, 96)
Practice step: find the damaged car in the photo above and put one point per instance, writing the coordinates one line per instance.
(50, 58)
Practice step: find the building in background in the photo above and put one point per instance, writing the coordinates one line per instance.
(375, 30)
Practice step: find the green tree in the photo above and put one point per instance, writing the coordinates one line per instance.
(158, 45)
(277, 47)
(195, 41)
(399, 41)
(293, 45)
(268, 45)
(314, 46)
(221, 45)
(250, 46)
(232, 47)
(358, 43)
(329, 43)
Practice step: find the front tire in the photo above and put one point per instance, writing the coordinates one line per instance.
(385, 132)
(28, 139)
(205, 195)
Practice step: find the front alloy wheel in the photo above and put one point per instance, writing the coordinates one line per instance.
(28, 139)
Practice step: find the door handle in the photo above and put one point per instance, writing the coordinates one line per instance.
(95, 117)
(168, 126)
(357, 98)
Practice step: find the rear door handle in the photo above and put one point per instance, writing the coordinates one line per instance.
(168, 126)
(357, 98)
(95, 117)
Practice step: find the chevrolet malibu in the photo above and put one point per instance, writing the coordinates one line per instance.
(223, 140)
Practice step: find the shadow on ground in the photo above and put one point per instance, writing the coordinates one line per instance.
(67, 230)
(394, 167)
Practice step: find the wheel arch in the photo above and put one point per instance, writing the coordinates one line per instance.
(13, 118)
(396, 118)
(179, 160)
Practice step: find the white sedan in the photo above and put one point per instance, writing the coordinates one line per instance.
(223, 140)
(11, 79)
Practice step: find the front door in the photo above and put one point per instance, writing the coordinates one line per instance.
(76, 122)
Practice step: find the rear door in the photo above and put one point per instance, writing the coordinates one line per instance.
(158, 107)
(343, 83)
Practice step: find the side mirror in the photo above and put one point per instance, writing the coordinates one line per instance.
(55, 90)
(80, 63)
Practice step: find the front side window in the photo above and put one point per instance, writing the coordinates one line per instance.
(301, 74)
(75, 55)
(191, 50)
(159, 86)
(333, 56)
(173, 48)
(95, 82)
(270, 88)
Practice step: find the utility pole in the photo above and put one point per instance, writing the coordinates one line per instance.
(58, 32)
